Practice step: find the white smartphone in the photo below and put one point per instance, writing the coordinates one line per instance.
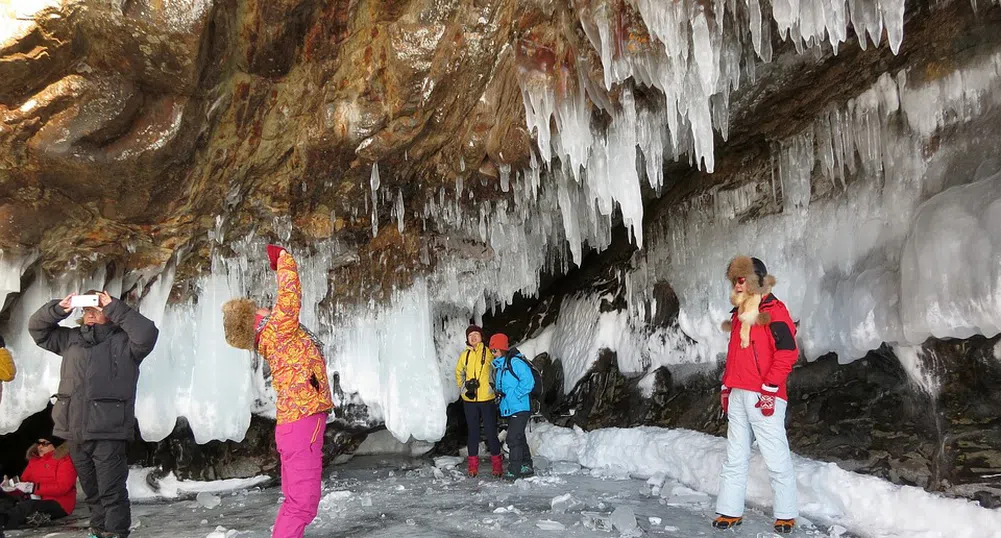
(83, 301)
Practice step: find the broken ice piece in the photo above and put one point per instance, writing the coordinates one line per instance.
(655, 520)
(562, 503)
(596, 521)
(565, 467)
(208, 500)
(671, 528)
(366, 500)
(444, 462)
(624, 519)
(550, 525)
(221, 532)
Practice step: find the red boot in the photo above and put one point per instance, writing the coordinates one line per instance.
(474, 466)
(498, 465)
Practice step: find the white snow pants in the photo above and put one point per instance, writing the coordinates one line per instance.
(747, 424)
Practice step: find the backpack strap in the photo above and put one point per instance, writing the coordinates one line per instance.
(507, 366)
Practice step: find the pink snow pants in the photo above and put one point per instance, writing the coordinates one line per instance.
(300, 445)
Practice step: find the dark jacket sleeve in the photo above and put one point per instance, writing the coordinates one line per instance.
(783, 333)
(141, 331)
(43, 326)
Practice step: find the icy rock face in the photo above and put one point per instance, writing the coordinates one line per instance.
(406, 236)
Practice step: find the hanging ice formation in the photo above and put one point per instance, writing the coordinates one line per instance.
(854, 252)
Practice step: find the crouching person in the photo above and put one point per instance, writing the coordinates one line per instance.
(96, 400)
(299, 377)
(47, 489)
(513, 383)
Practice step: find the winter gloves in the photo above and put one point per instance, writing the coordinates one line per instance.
(273, 252)
(766, 403)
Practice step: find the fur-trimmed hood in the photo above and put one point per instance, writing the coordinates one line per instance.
(753, 270)
(59, 452)
(238, 323)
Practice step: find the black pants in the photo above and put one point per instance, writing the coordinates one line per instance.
(103, 472)
(517, 442)
(488, 412)
(14, 513)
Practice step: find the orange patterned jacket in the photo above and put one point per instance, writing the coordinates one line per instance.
(298, 370)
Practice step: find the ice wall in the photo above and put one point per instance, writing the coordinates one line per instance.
(903, 247)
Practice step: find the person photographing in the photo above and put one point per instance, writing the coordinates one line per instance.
(95, 404)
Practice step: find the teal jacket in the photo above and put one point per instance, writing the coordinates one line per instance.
(513, 378)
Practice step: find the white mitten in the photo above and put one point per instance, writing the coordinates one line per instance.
(25, 487)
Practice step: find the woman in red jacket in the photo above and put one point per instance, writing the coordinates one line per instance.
(47, 489)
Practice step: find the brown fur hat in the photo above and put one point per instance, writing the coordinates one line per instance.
(754, 272)
(238, 323)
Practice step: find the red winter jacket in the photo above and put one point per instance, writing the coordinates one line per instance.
(769, 358)
(54, 477)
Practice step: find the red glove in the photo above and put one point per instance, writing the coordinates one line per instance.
(273, 252)
(766, 402)
(724, 399)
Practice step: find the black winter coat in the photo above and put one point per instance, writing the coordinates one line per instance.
(100, 370)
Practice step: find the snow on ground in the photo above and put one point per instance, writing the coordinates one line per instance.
(608, 482)
(170, 487)
(390, 496)
(865, 504)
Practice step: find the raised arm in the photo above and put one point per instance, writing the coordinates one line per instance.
(286, 311)
(43, 326)
(142, 332)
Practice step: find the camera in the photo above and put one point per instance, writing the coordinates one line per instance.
(472, 385)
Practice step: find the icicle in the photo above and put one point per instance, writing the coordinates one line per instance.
(400, 210)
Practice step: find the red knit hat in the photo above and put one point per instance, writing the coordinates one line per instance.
(499, 341)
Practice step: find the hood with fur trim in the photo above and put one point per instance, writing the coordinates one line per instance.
(744, 266)
(238, 323)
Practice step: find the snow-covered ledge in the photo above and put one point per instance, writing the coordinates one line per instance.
(863, 504)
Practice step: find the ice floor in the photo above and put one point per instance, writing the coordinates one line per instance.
(383, 497)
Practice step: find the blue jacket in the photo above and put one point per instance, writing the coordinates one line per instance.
(517, 386)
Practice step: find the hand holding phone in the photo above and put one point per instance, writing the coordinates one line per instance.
(84, 301)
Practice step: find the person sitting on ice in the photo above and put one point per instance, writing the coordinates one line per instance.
(472, 374)
(754, 398)
(46, 491)
(299, 377)
(96, 400)
(513, 382)
(7, 368)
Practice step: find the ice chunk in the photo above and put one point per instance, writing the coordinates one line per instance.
(837, 531)
(561, 504)
(208, 500)
(335, 501)
(550, 525)
(654, 520)
(565, 467)
(222, 532)
(444, 462)
(656, 482)
(596, 521)
(624, 519)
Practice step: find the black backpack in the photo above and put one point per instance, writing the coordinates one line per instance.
(537, 389)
